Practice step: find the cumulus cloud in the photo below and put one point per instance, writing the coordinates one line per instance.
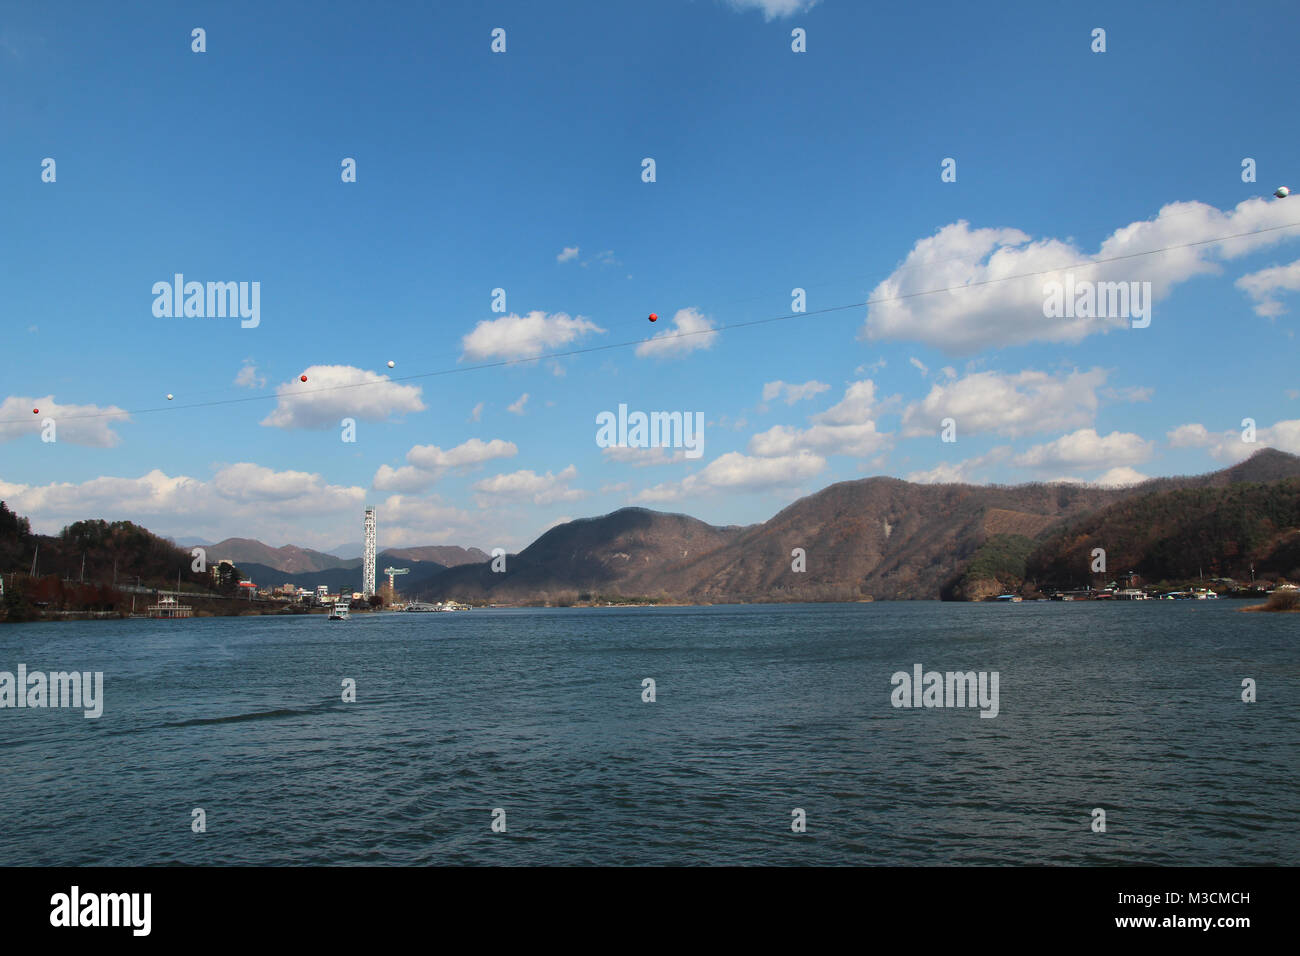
(567, 253)
(241, 494)
(791, 393)
(1121, 477)
(540, 489)
(1085, 449)
(735, 472)
(1230, 446)
(846, 428)
(75, 424)
(334, 392)
(517, 406)
(1017, 404)
(1263, 286)
(690, 331)
(427, 463)
(524, 336)
(410, 521)
(997, 275)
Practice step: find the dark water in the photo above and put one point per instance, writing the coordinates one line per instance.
(1134, 708)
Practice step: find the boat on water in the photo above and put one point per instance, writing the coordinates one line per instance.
(340, 612)
(418, 607)
(1010, 598)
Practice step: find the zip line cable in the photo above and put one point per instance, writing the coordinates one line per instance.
(669, 337)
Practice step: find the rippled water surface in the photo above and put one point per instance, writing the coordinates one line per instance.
(1135, 708)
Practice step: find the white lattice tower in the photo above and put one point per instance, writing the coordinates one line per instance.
(368, 558)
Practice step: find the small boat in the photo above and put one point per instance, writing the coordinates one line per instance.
(1011, 598)
(339, 612)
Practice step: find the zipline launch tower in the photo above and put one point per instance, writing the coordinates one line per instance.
(368, 558)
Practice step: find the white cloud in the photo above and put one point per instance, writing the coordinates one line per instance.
(409, 521)
(541, 489)
(792, 393)
(919, 365)
(248, 376)
(428, 463)
(567, 254)
(968, 472)
(1263, 286)
(334, 392)
(1023, 403)
(238, 496)
(740, 473)
(1085, 449)
(524, 336)
(75, 424)
(476, 412)
(689, 332)
(773, 9)
(465, 455)
(289, 491)
(1121, 477)
(997, 275)
(1229, 446)
(846, 428)
(517, 406)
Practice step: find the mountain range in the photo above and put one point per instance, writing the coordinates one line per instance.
(871, 538)
(291, 559)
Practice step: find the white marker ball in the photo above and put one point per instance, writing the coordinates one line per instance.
(1282, 192)
(392, 365)
(170, 396)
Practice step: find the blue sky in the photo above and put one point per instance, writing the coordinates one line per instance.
(522, 171)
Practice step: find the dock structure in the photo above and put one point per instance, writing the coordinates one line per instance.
(169, 608)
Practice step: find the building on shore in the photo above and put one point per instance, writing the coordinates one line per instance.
(168, 608)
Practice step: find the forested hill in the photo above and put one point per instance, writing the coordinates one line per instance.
(104, 545)
(1181, 535)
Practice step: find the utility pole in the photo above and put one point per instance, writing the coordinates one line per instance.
(34, 557)
(83, 567)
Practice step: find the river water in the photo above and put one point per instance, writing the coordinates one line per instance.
(1132, 708)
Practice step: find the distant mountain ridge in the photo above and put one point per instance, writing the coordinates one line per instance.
(871, 538)
(293, 560)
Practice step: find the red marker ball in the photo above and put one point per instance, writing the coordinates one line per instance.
(36, 411)
(654, 317)
(303, 377)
